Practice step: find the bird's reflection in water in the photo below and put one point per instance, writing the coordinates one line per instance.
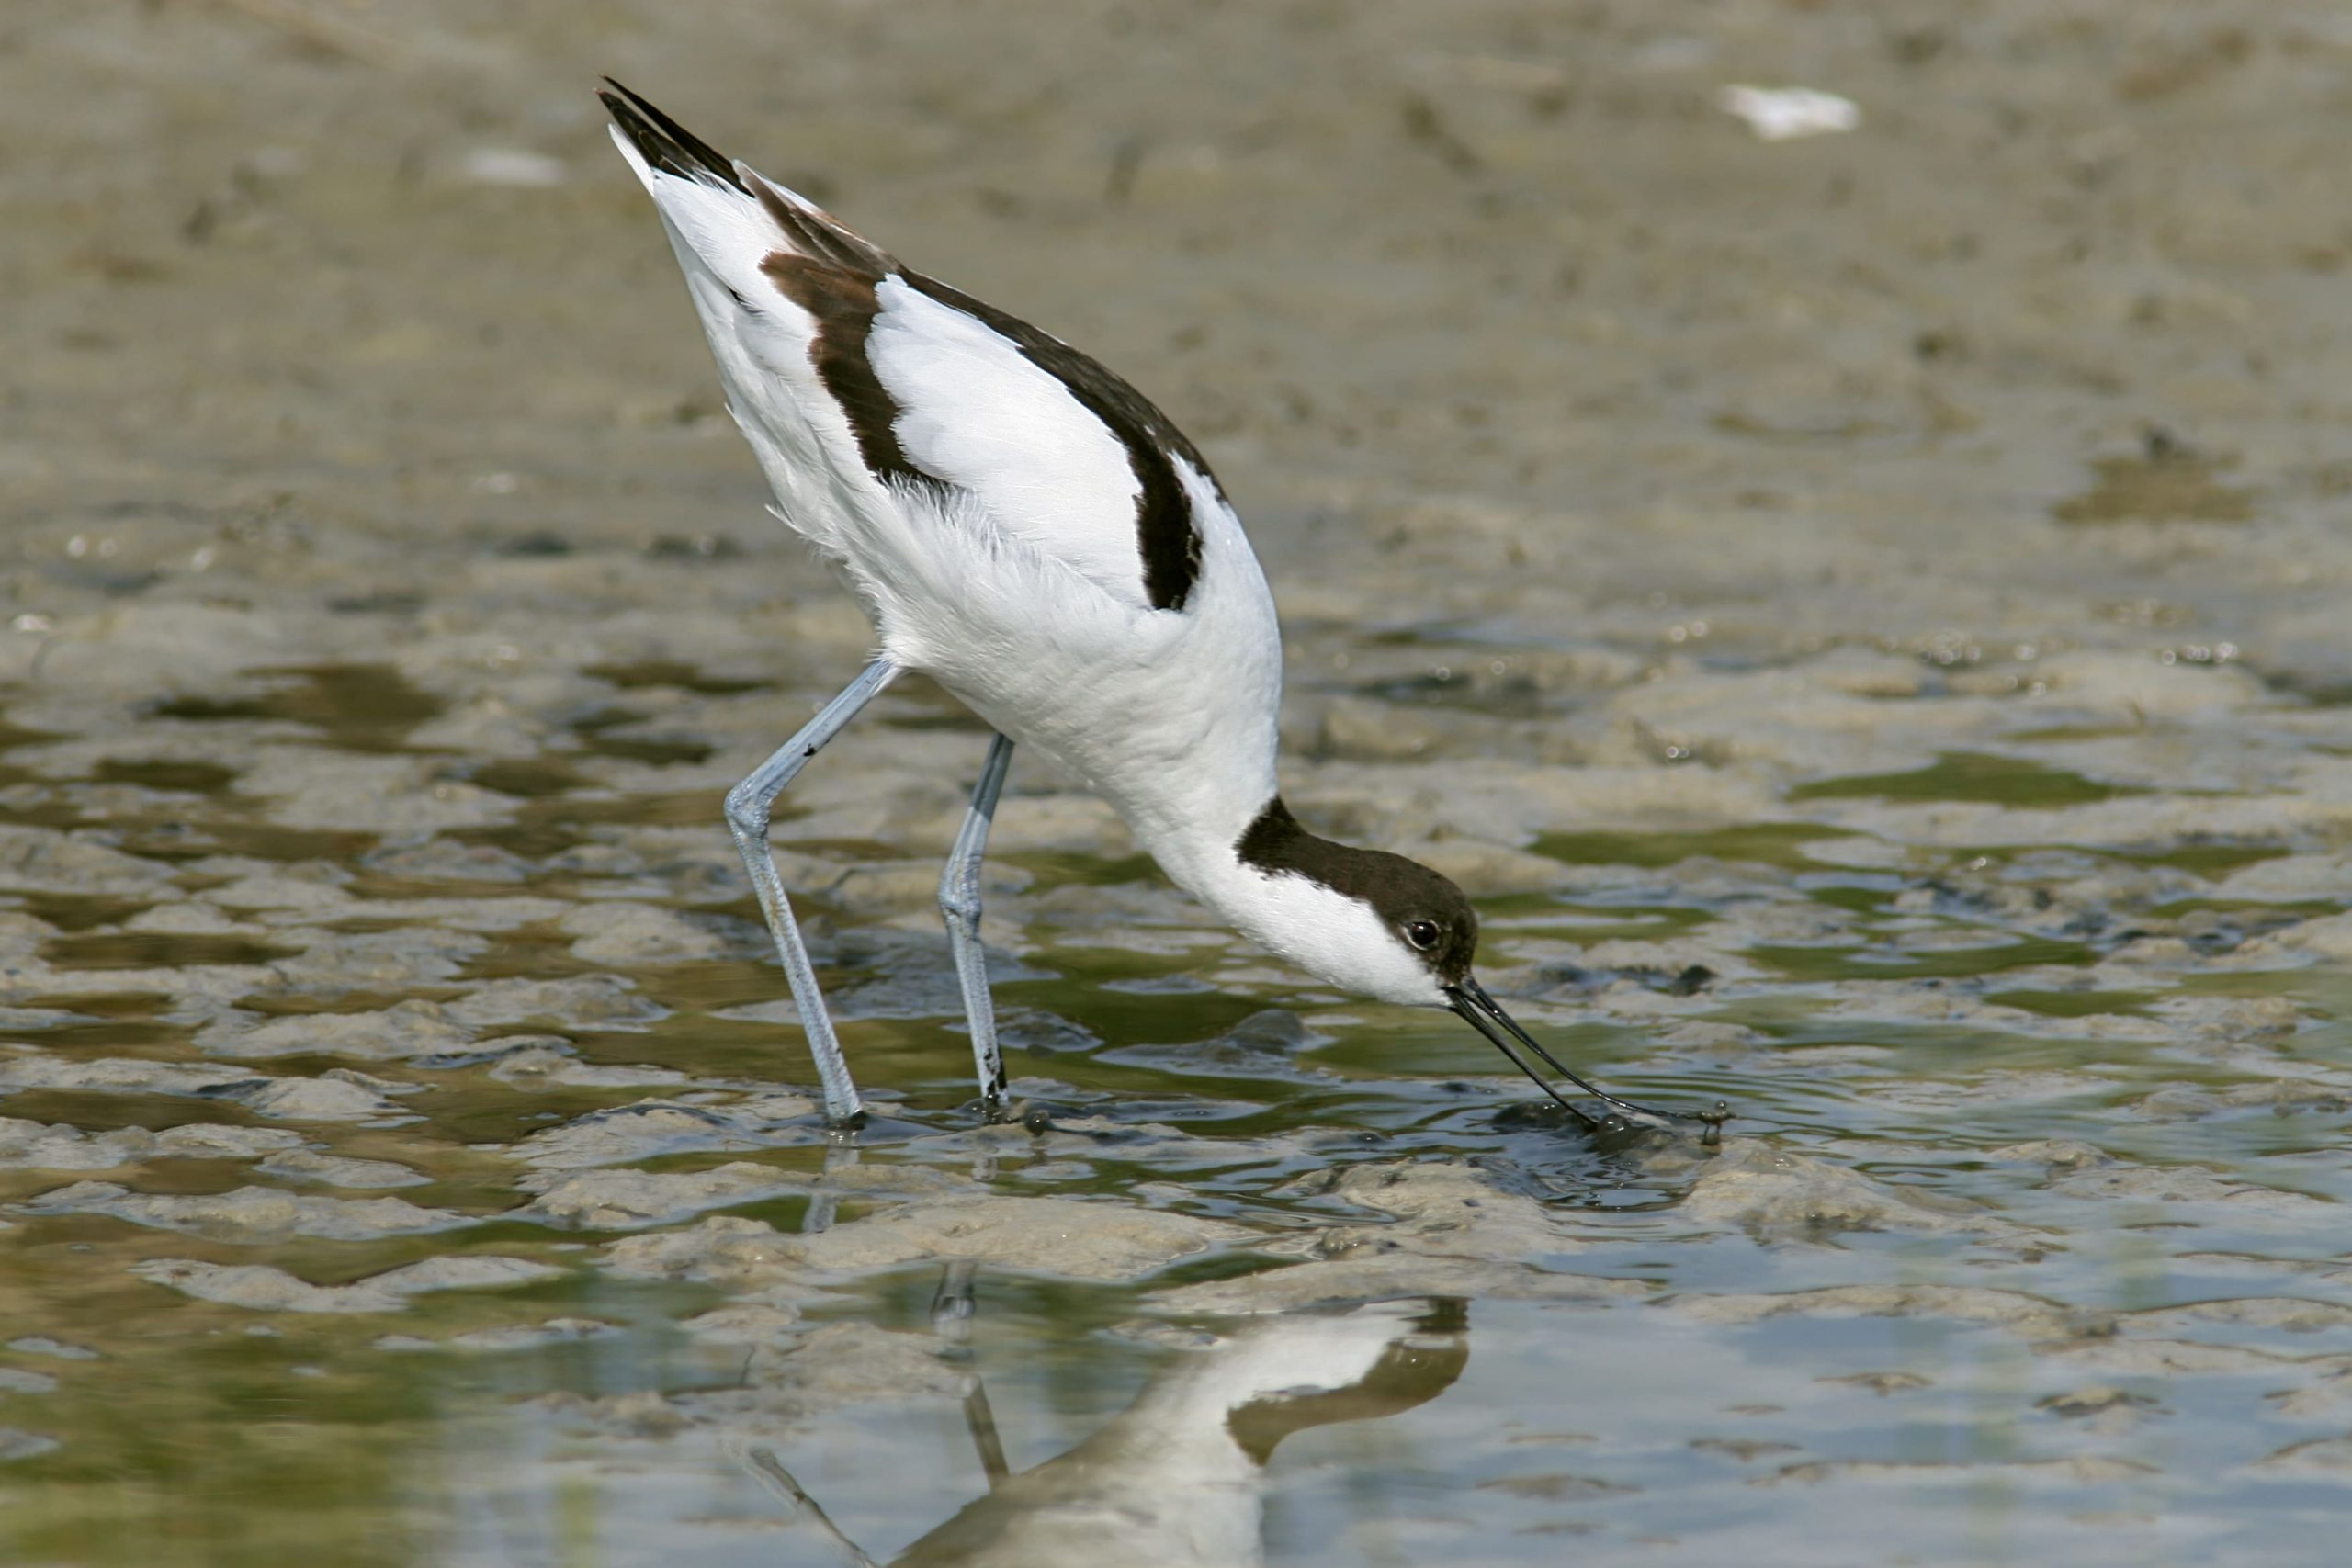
(1175, 1478)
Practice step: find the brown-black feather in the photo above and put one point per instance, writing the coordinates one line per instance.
(833, 273)
(664, 143)
(1402, 892)
(1166, 536)
(842, 302)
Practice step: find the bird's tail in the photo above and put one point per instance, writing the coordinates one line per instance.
(661, 145)
(666, 145)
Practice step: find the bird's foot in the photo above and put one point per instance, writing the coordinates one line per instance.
(1036, 1116)
(1619, 1117)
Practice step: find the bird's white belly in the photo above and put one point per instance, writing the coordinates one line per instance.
(1180, 741)
(1171, 715)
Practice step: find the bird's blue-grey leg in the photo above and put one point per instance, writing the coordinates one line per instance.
(953, 1306)
(959, 903)
(824, 1205)
(770, 1469)
(747, 820)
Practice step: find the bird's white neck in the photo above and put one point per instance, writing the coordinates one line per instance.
(1304, 899)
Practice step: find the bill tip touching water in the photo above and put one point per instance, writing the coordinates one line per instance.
(1030, 531)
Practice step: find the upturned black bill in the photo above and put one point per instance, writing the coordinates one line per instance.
(1486, 1015)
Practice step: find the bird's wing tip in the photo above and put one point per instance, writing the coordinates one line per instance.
(663, 143)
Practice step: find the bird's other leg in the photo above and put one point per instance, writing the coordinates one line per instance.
(747, 820)
(953, 1306)
(770, 1469)
(825, 1203)
(959, 904)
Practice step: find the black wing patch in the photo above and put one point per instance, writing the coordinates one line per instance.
(664, 143)
(833, 273)
(1166, 535)
(1400, 891)
(842, 300)
(821, 236)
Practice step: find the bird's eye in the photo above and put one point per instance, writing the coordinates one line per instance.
(1422, 934)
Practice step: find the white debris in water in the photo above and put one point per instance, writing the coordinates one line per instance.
(1785, 114)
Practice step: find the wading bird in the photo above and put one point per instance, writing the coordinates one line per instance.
(1030, 531)
(1176, 1480)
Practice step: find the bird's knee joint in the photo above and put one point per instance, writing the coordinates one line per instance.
(961, 905)
(746, 812)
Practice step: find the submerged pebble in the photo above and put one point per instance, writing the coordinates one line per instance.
(655, 1127)
(632, 1200)
(1046, 1235)
(37, 1147)
(250, 1215)
(265, 1289)
(1777, 1192)
(413, 1028)
(515, 1336)
(337, 1170)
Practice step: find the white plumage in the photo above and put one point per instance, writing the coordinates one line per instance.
(1177, 1479)
(1017, 587)
(990, 422)
(1030, 531)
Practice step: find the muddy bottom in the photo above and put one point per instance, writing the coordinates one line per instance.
(1862, 616)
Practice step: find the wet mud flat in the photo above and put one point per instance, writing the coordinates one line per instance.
(1862, 616)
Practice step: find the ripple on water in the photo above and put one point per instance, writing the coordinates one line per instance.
(2023, 1190)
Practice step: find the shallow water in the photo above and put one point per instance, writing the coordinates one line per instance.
(1862, 617)
(2022, 1243)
